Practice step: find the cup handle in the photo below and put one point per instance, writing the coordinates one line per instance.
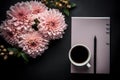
(88, 65)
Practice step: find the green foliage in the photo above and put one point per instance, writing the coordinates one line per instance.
(34, 26)
(23, 55)
(73, 4)
(66, 11)
(19, 53)
(63, 5)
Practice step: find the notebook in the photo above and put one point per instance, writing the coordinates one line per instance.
(82, 32)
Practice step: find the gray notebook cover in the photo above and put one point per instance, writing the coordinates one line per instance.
(83, 31)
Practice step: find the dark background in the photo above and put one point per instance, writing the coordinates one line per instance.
(54, 63)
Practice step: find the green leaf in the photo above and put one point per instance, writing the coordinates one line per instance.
(66, 11)
(73, 4)
(36, 21)
(34, 26)
(24, 56)
(18, 55)
(15, 50)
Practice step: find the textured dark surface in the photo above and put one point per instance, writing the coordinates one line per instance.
(54, 63)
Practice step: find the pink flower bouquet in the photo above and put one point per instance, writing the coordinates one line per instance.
(31, 25)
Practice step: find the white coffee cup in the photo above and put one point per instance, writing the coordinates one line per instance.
(79, 55)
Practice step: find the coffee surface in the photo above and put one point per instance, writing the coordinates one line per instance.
(79, 54)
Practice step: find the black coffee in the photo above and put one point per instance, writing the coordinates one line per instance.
(79, 54)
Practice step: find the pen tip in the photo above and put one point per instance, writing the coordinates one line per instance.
(95, 36)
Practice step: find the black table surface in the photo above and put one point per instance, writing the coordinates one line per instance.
(54, 63)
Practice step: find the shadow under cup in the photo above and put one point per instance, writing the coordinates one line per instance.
(79, 55)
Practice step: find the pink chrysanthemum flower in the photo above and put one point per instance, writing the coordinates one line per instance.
(19, 11)
(37, 7)
(25, 26)
(9, 33)
(30, 26)
(33, 44)
(52, 24)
